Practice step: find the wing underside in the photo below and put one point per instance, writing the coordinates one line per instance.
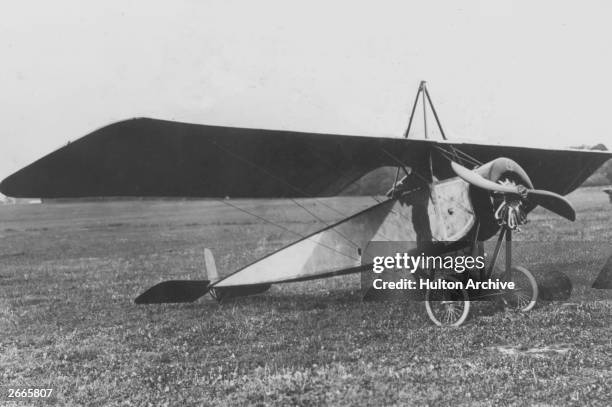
(146, 157)
(157, 158)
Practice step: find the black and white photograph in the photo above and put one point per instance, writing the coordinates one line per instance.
(305, 203)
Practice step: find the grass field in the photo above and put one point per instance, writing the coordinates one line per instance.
(69, 273)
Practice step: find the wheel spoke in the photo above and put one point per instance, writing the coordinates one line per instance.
(523, 300)
(447, 307)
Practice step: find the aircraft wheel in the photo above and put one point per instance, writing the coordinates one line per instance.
(525, 293)
(447, 307)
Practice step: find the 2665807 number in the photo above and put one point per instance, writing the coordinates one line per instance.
(29, 393)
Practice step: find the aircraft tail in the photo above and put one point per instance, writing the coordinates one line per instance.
(210, 267)
(182, 290)
(190, 290)
(174, 291)
(224, 293)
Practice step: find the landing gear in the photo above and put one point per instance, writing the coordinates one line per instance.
(447, 307)
(451, 306)
(525, 293)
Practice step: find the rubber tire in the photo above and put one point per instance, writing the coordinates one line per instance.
(462, 318)
(534, 288)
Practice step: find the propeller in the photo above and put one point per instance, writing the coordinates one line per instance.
(547, 199)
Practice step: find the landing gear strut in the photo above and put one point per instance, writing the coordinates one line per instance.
(451, 307)
(524, 295)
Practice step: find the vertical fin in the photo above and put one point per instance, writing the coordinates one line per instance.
(210, 268)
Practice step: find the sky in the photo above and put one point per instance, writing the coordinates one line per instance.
(509, 72)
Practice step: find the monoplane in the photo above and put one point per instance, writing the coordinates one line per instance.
(451, 196)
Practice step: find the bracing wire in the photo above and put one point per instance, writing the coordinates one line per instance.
(325, 223)
(226, 202)
(458, 155)
(455, 153)
(299, 190)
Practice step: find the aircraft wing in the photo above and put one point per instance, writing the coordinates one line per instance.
(556, 170)
(147, 157)
(157, 158)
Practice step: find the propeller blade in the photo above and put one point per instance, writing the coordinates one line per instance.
(553, 202)
(478, 180)
(174, 291)
(546, 199)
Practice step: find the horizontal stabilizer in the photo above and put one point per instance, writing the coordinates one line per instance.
(174, 291)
